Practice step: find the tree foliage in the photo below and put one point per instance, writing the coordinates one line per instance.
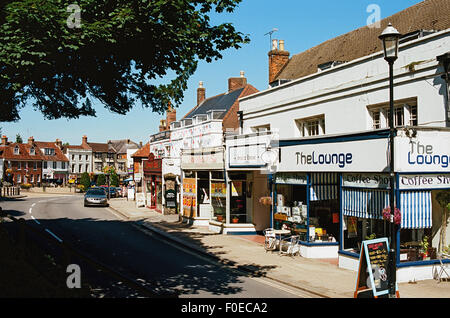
(85, 180)
(101, 180)
(124, 52)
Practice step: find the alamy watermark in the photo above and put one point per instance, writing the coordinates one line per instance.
(74, 279)
(374, 19)
(74, 19)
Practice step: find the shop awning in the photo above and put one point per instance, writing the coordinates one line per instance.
(416, 209)
(324, 186)
(365, 204)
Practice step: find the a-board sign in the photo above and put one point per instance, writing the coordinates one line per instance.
(171, 199)
(373, 272)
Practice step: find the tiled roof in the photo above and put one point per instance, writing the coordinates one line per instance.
(121, 146)
(24, 152)
(99, 147)
(143, 152)
(59, 156)
(219, 102)
(426, 15)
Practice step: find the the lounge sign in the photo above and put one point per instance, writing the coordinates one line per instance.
(353, 156)
(429, 152)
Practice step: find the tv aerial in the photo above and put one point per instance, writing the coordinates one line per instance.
(270, 35)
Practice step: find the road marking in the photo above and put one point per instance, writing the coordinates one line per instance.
(30, 210)
(33, 204)
(52, 234)
(35, 220)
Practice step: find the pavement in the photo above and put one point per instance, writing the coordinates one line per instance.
(320, 276)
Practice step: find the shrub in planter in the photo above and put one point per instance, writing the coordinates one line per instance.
(26, 186)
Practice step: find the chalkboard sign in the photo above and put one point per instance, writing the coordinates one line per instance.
(171, 199)
(373, 272)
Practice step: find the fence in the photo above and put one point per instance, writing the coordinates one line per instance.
(9, 191)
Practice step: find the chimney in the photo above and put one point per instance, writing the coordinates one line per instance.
(4, 140)
(84, 140)
(58, 143)
(201, 93)
(236, 82)
(278, 58)
(171, 116)
(31, 141)
(162, 125)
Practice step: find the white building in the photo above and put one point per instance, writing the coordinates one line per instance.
(329, 107)
(80, 159)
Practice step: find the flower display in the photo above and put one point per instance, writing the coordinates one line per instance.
(397, 215)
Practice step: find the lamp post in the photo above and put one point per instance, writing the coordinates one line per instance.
(390, 38)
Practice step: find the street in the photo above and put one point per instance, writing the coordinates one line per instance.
(161, 267)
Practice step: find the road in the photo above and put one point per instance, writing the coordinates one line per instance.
(165, 268)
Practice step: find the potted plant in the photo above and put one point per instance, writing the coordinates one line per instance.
(266, 200)
(424, 247)
(219, 217)
(235, 219)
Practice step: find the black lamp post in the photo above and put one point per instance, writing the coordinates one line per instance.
(390, 38)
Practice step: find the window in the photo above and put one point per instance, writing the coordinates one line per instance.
(16, 150)
(98, 155)
(87, 168)
(32, 151)
(35, 165)
(49, 151)
(73, 157)
(80, 168)
(54, 164)
(376, 119)
(87, 158)
(45, 164)
(31, 178)
(98, 166)
(261, 128)
(63, 165)
(19, 178)
(313, 126)
(413, 115)
(79, 157)
(19, 165)
(73, 168)
(405, 113)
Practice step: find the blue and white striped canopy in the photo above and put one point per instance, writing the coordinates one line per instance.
(363, 203)
(416, 209)
(324, 186)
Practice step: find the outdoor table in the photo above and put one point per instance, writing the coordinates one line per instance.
(280, 233)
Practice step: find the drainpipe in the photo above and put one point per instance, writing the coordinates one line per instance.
(445, 61)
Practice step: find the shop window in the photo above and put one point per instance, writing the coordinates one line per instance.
(416, 245)
(238, 201)
(356, 230)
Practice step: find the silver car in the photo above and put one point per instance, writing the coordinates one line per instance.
(96, 197)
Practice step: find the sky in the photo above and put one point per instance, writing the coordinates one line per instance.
(301, 24)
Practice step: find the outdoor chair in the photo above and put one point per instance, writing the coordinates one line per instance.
(442, 272)
(290, 245)
(270, 241)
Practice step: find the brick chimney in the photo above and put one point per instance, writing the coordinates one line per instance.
(31, 141)
(201, 93)
(58, 143)
(4, 140)
(278, 58)
(236, 82)
(84, 140)
(171, 116)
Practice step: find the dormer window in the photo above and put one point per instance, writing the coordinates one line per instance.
(32, 151)
(16, 150)
(49, 151)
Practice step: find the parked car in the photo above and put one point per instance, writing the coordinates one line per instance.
(113, 192)
(96, 197)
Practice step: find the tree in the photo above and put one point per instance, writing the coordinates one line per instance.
(101, 180)
(122, 52)
(85, 180)
(114, 179)
(19, 139)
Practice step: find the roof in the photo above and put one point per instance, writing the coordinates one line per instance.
(220, 102)
(100, 147)
(24, 152)
(59, 156)
(426, 15)
(144, 152)
(121, 146)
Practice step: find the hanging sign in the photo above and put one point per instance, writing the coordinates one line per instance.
(373, 272)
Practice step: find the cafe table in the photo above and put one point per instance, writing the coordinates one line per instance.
(280, 234)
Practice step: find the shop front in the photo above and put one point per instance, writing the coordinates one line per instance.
(203, 177)
(152, 182)
(247, 164)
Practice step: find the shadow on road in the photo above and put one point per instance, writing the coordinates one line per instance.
(161, 268)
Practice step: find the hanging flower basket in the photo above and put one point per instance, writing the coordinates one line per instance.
(397, 215)
(265, 201)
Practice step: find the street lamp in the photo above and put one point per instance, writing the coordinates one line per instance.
(390, 38)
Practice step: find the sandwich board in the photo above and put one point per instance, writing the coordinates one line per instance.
(373, 271)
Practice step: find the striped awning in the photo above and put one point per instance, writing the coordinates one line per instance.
(364, 203)
(416, 209)
(324, 186)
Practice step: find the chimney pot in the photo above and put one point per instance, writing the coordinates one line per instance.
(274, 44)
(281, 45)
